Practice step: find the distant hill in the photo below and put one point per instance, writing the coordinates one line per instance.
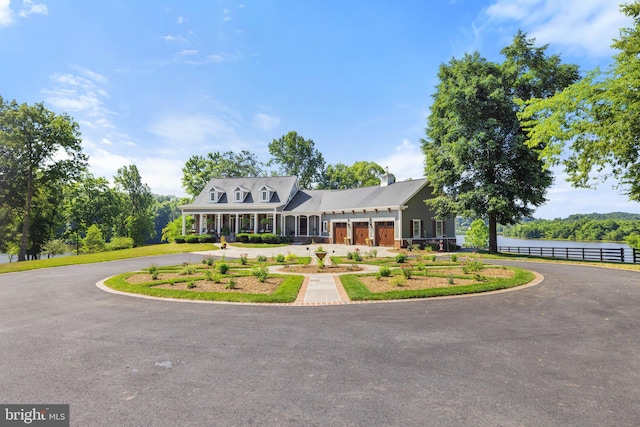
(614, 226)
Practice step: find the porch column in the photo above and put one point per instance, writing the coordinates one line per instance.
(201, 223)
(184, 224)
(255, 223)
(237, 223)
(273, 222)
(297, 228)
(218, 217)
(400, 225)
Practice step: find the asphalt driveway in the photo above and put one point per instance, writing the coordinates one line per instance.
(565, 352)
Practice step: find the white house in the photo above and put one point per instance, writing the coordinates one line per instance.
(391, 214)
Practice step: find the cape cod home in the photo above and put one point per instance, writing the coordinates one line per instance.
(391, 214)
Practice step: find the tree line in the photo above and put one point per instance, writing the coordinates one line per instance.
(615, 227)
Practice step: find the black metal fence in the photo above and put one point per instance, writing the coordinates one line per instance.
(584, 254)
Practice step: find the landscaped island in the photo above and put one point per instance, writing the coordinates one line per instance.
(279, 278)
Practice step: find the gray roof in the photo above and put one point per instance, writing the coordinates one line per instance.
(281, 185)
(393, 195)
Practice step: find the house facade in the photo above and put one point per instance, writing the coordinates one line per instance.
(391, 214)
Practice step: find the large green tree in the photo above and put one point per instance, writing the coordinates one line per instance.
(477, 159)
(90, 201)
(360, 174)
(138, 223)
(296, 156)
(198, 170)
(599, 117)
(38, 149)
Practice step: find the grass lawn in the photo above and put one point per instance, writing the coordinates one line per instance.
(142, 251)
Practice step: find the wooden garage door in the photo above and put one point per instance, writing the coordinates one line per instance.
(339, 232)
(384, 233)
(360, 233)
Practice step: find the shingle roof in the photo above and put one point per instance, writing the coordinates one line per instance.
(283, 186)
(393, 195)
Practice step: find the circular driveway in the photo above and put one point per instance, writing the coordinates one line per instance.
(565, 352)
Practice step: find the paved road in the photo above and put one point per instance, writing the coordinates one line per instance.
(565, 352)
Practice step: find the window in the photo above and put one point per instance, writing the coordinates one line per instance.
(417, 228)
(237, 196)
(439, 228)
(325, 226)
(215, 194)
(264, 196)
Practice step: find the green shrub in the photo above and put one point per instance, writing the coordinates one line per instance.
(385, 271)
(54, 247)
(117, 243)
(191, 284)
(180, 239)
(231, 284)
(93, 242)
(291, 257)
(208, 260)
(270, 238)
(242, 237)
(208, 274)
(255, 238)
(398, 281)
(152, 268)
(406, 272)
(223, 267)
(454, 258)
(188, 270)
(472, 265)
(280, 258)
(433, 258)
(192, 238)
(400, 258)
(154, 275)
(262, 273)
(244, 258)
(205, 238)
(261, 258)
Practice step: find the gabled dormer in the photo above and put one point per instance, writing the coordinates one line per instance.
(266, 193)
(239, 194)
(215, 194)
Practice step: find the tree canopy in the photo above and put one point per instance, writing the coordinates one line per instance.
(360, 174)
(198, 170)
(39, 150)
(598, 116)
(296, 156)
(476, 156)
(138, 223)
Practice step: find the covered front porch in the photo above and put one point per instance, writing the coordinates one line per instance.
(226, 223)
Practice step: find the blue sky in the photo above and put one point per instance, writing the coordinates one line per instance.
(154, 82)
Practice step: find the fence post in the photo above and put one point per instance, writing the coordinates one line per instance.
(622, 254)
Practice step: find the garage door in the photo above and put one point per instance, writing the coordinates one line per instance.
(384, 233)
(360, 233)
(339, 232)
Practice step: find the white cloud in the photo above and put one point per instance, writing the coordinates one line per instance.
(185, 52)
(574, 26)
(6, 14)
(265, 122)
(407, 161)
(29, 8)
(186, 130)
(164, 176)
(181, 20)
(74, 93)
(106, 141)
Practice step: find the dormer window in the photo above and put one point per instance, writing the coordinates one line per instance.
(266, 193)
(239, 194)
(215, 194)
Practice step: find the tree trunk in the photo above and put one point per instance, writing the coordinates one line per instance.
(493, 234)
(22, 255)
